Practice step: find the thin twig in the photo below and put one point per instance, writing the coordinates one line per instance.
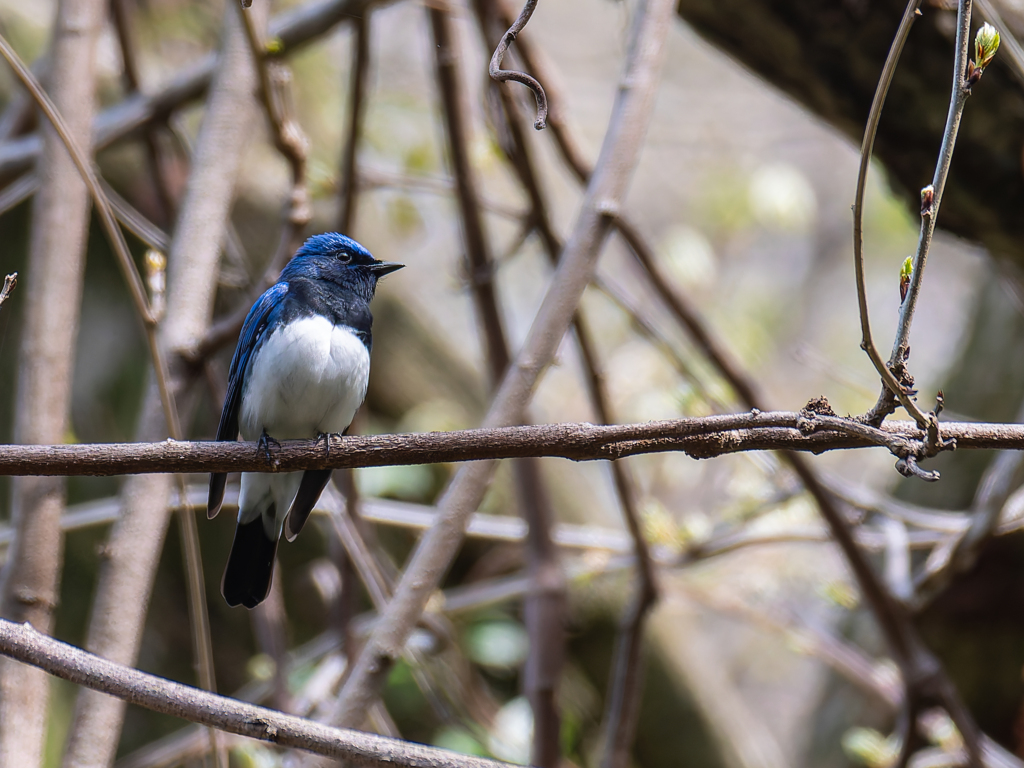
(23, 643)
(121, 11)
(275, 89)
(958, 98)
(193, 566)
(503, 75)
(349, 191)
(126, 579)
(892, 386)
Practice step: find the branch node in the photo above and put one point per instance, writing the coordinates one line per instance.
(908, 467)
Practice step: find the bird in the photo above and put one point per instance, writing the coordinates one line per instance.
(300, 370)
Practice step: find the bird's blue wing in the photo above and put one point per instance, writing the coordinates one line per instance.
(249, 340)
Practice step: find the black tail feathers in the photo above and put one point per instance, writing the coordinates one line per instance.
(313, 483)
(250, 566)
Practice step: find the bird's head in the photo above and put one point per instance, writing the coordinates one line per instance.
(339, 259)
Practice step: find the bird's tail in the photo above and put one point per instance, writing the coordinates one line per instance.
(250, 566)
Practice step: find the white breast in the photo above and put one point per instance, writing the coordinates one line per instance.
(308, 377)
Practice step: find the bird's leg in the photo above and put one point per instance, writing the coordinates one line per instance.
(264, 444)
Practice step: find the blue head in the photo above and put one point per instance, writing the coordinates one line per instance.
(338, 259)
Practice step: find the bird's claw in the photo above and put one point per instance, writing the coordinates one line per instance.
(264, 444)
(325, 438)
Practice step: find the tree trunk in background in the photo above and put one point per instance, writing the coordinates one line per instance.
(828, 57)
(126, 580)
(53, 289)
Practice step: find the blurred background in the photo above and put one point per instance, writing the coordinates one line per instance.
(745, 196)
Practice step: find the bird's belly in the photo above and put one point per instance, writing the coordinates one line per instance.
(308, 377)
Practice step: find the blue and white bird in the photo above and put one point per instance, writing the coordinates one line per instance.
(300, 370)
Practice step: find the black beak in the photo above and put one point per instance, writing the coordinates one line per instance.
(381, 268)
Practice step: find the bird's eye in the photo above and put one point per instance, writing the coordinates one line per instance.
(344, 257)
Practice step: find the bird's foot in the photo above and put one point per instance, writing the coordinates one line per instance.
(264, 444)
(325, 438)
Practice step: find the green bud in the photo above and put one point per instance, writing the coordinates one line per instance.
(276, 46)
(986, 43)
(906, 272)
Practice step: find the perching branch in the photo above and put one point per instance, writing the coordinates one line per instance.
(24, 644)
(700, 438)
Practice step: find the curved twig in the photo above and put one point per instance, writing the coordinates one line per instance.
(504, 75)
(867, 146)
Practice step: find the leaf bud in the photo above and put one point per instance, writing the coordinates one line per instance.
(927, 200)
(906, 272)
(986, 43)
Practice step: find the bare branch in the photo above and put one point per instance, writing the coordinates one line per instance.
(503, 75)
(24, 644)
(356, 109)
(276, 91)
(699, 438)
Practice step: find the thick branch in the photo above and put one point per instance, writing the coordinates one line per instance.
(23, 643)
